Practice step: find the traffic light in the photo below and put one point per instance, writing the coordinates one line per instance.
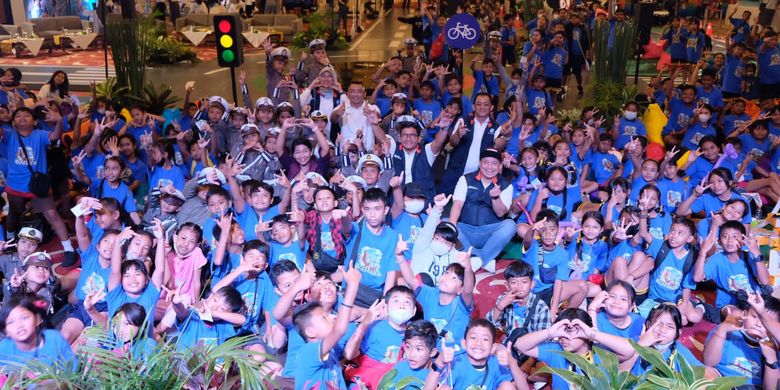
(227, 30)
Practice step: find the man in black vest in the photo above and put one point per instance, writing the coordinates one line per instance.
(467, 140)
(414, 161)
(480, 204)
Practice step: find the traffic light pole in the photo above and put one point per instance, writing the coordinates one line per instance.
(233, 84)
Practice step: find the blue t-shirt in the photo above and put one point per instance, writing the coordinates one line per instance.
(769, 63)
(148, 299)
(55, 351)
(409, 227)
(694, 44)
(553, 60)
(259, 297)
(537, 99)
(632, 331)
(404, 371)
(658, 226)
(757, 148)
(680, 115)
(672, 193)
(731, 122)
(484, 84)
(695, 133)
(139, 169)
(676, 43)
(451, 318)
(680, 351)
(193, 330)
(527, 49)
(18, 175)
(466, 376)
(667, 281)
(628, 129)
(740, 30)
(291, 251)
(137, 132)
(740, 358)
(93, 276)
(122, 193)
(382, 342)
(701, 168)
(732, 74)
(622, 249)
(713, 97)
(93, 165)
(313, 372)
(709, 203)
(557, 258)
(162, 176)
(248, 219)
(375, 255)
(295, 342)
(589, 259)
(603, 165)
(550, 354)
(556, 204)
(730, 277)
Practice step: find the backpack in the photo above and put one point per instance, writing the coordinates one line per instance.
(690, 258)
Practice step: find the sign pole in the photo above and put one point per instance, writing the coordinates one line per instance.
(233, 84)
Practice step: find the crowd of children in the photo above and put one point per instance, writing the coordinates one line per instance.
(342, 229)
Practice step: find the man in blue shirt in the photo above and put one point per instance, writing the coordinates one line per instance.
(769, 64)
(554, 60)
(740, 27)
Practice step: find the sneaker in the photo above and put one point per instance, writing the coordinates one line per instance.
(69, 259)
(490, 266)
(580, 91)
(476, 263)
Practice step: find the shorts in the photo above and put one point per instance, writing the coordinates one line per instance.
(640, 297)
(546, 295)
(679, 61)
(38, 205)
(552, 83)
(769, 91)
(79, 312)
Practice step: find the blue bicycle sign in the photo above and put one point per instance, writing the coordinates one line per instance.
(462, 31)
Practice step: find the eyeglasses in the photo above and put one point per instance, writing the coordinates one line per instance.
(408, 135)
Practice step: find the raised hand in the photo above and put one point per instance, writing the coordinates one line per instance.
(17, 278)
(397, 181)
(621, 229)
(401, 246)
(699, 190)
(441, 200)
(77, 159)
(157, 229)
(93, 296)
(352, 276)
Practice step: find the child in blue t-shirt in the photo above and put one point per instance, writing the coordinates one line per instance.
(736, 117)
(628, 127)
(757, 141)
(700, 127)
(728, 268)
(611, 312)
(537, 96)
(163, 169)
(420, 338)
(317, 366)
(256, 210)
(286, 245)
(550, 263)
(710, 198)
(375, 344)
(680, 114)
(557, 196)
(209, 321)
(662, 332)
(111, 185)
(672, 186)
(587, 254)
(604, 165)
(477, 365)
(741, 347)
(449, 304)
(572, 332)
(408, 211)
(21, 320)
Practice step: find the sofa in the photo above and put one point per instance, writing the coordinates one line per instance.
(48, 27)
(289, 24)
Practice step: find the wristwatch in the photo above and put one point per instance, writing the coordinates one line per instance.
(772, 366)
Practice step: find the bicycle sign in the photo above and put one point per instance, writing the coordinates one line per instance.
(462, 31)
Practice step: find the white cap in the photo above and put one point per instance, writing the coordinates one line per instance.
(264, 101)
(281, 52)
(205, 172)
(220, 100)
(357, 180)
(410, 41)
(317, 42)
(31, 234)
(369, 158)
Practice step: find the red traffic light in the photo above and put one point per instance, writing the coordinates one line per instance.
(224, 26)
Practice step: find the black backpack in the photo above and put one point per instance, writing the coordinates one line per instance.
(690, 258)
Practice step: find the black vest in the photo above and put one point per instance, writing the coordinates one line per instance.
(421, 171)
(478, 207)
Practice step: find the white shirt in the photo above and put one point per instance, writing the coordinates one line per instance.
(472, 160)
(409, 159)
(462, 188)
(353, 120)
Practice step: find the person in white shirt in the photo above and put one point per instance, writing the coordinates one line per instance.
(358, 119)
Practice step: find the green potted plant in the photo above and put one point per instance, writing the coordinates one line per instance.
(155, 100)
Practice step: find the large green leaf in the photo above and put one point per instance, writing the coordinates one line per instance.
(609, 363)
(728, 382)
(652, 356)
(570, 377)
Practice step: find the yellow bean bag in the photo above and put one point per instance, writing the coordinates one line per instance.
(654, 120)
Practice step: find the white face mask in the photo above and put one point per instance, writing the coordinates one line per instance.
(704, 117)
(400, 316)
(662, 347)
(630, 115)
(439, 248)
(101, 111)
(414, 206)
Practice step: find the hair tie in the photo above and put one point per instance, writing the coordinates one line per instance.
(40, 304)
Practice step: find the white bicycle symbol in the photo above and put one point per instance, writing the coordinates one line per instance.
(461, 31)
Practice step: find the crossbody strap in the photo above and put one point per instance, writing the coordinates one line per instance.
(353, 255)
(24, 150)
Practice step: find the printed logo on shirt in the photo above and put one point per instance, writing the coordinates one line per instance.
(427, 116)
(288, 256)
(178, 158)
(704, 100)
(440, 323)
(670, 278)
(575, 35)
(683, 120)
(745, 367)
(578, 264)
(774, 60)
(739, 282)
(95, 283)
(100, 173)
(327, 241)
(164, 182)
(20, 156)
(756, 153)
(208, 340)
(250, 301)
(557, 59)
(657, 233)
(629, 130)
(607, 165)
(369, 261)
(414, 232)
(391, 354)
(673, 198)
(539, 102)
(556, 209)
(475, 387)
(696, 138)
(692, 42)
(738, 123)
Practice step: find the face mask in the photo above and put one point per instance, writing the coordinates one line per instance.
(399, 316)
(704, 117)
(630, 115)
(101, 111)
(414, 206)
(439, 248)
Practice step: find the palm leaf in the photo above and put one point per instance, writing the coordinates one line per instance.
(569, 376)
(655, 359)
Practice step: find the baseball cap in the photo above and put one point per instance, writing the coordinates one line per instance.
(264, 101)
(357, 180)
(205, 172)
(249, 128)
(175, 194)
(281, 52)
(369, 159)
(39, 259)
(31, 234)
(315, 44)
(317, 114)
(415, 190)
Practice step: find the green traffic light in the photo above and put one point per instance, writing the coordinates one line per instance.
(228, 56)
